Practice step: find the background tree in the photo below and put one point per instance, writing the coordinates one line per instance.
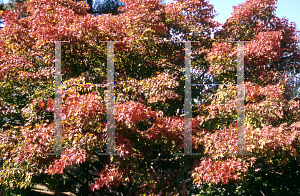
(108, 6)
(104, 6)
(11, 5)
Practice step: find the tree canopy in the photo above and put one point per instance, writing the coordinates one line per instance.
(149, 99)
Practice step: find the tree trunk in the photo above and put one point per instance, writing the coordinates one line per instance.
(90, 2)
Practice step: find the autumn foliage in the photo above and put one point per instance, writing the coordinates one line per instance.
(149, 95)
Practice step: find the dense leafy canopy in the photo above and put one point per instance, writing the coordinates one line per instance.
(149, 96)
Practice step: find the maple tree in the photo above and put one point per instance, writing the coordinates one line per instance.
(149, 96)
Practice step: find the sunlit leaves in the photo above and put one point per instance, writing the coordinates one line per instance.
(154, 89)
(218, 171)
